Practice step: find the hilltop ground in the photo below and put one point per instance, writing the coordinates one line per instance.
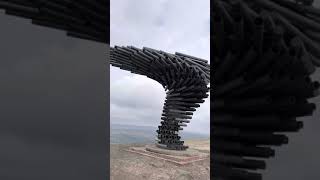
(130, 166)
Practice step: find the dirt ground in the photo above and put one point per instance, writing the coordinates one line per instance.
(130, 166)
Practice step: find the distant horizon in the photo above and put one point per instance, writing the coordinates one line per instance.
(144, 134)
(135, 125)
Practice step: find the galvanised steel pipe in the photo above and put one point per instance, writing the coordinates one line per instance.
(185, 79)
(262, 85)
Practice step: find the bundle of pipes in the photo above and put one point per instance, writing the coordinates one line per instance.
(85, 19)
(184, 78)
(264, 54)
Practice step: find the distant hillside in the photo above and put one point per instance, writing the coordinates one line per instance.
(128, 134)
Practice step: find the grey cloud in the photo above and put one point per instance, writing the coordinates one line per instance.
(136, 100)
(185, 26)
(52, 108)
(22, 160)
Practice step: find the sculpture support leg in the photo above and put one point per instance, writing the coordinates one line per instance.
(172, 120)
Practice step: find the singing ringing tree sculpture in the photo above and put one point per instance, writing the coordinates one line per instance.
(85, 19)
(264, 54)
(185, 79)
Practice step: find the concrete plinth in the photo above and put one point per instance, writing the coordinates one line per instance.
(178, 157)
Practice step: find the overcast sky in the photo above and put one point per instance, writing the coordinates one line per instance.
(52, 109)
(172, 26)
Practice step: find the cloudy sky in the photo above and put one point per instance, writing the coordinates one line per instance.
(52, 108)
(172, 26)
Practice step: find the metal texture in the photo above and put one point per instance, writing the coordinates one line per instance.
(85, 19)
(185, 79)
(264, 53)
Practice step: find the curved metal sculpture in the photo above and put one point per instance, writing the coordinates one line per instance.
(264, 54)
(84, 19)
(185, 78)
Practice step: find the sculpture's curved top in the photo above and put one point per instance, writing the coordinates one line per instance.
(159, 65)
(86, 19)
(185, 78)
(264, 53)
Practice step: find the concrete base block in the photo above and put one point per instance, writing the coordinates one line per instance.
(178, 157)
